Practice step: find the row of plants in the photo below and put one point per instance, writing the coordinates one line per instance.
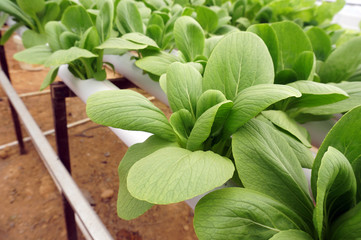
(238, 82)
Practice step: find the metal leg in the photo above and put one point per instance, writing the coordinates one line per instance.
(17, 126)
(58, 95)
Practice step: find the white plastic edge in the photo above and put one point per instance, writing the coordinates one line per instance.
(84, 88)
(125, 66)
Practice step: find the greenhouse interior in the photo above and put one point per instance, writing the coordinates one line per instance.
(180, 119)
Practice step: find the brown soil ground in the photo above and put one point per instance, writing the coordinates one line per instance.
(31, 206)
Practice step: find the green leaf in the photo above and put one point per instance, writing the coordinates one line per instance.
(68, 39)
(321, 42)
(286, 76)
(129, 16)
(207, 18)
(50, 12)
(291, 234)
(35, 55)
(53, 31)
(182, 122)
(204, 125)
(336, 189)
(157, 64)
(241, 213)
(240, 67)
(66, 56)
(13, 9)
(120, 43)
(31, 38)
(316, 94)
(342, 63)
(265, 163)
(139, 38)
(305, 66)
(353, 89)
(9, 32)
(327, 10)
(268, 35)
(129, 207)
(90, 39)
(209, 45)
(104, 21)
(348, 225)
(189, 37)
(76, 19)
(251, 101)
(292, 42)
(128, 110)
(209, 99)
(283, 121)
(50, 77)
(184, 86)
(173, 174)
(31, 7)
(345, 137)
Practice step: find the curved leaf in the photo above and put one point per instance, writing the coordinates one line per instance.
(129, 207)
(128, 110)
(139, 38)
(207, 18)
(321, 42)
(305, 66)
(291, 234)
(156, 64)
(241, 213)
(184, 86)
(208, 99)
(345, 137)
(76, 19)
(189, 37)
(172, 174)
(246, 63)
(66, 56)
(34, 55)
(348, 225)
(251, 101)
(104, 20)
(336, 189)
(120, 43)
(265, 163)
(129, 16)
(182, 122)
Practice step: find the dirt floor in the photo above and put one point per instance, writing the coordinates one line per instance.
(31, 206)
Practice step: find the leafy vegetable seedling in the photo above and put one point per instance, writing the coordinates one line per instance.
(191, 153)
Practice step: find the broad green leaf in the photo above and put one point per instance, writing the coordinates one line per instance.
(348, 225)
(241, 213)
(104, 21)
(156, 19)
(265, 163)
(336, 189)
(182, 122)
(31, 7)
(53, 31)
(204, 125)
(90, 39)
(240, 67)
(155, 32)
(251, 101)
(163, 82)
(327, 10)
(120, 43)
(31, 38)
(50, 12)
(208, 99)
(173, 174)
(184, 86)
(321, 42)
(207, 18)
(129, 110)
(292, 42)
(34, 55)
(129, 16)
(76, 19)
(268, 35)
(286, 76)
(68, 39)
(157, 64)
(50, 77)
(353, 89)
(342, 63)
(305, 66)
(139, 38)
(9, 32)
(345, 137)
(283, 121)
(66, 56)
(129, 207)
(13, 9)
(291, 234)
(189, 37)
(316, 94)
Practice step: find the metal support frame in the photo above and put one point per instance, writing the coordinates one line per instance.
(59, 93)
(17, 126)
